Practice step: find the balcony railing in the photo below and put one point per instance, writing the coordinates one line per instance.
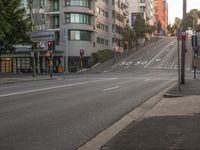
(52, 26)
(52, 9)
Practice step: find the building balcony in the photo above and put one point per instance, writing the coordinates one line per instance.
(76, 26)
(126, 5)
(52, 10)
(125, 12)
(52, 26)
(77, 9)
(142, 4)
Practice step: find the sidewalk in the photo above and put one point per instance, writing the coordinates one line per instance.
(16, 78)
(172, 124)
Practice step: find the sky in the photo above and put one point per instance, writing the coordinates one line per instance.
(175, 8)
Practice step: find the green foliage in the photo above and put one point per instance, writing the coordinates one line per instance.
(177, 24)
(104, 54)
(140, 27)
(191, 16)
(150, 29)
(14, 25)
(129, 35)
(94, 57)
(159, 26)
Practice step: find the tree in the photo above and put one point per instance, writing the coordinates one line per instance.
(192, 16)
(140, 27)
(159, 26)
(129, 35)
(177, 24)
(150, 29)
(14, 25)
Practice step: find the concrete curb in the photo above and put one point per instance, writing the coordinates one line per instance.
(168, 95)
(103, 137)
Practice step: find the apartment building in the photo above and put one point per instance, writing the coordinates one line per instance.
(143, 7)
(90, 25)
(161, 13)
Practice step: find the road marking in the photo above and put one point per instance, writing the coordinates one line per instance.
(171, 67)
(55, 87)
(158, 54)
(131, 55)
(105, 71)
(147, 80)
(112, 88)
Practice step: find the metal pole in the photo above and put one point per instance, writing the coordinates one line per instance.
(115, 44)
(195, 66)
(179, 81)
(67, 51)
(183, 45)
(32, 50)
(51, 64)
(194, 48)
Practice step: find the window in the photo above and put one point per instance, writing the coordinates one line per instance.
(102, 26)
(82, 3)
(98, 40)
(102, 12)
(77, 18)
(79, 35)
(98, 10)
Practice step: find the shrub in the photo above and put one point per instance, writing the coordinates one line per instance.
(104, 54)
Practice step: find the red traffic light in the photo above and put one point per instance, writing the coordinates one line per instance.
(50, 45)
(81, 52)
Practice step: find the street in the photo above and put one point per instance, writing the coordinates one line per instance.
(65, 113)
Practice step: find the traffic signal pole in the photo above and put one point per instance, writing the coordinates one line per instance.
(183, 45)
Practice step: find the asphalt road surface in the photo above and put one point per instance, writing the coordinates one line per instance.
(65, 113)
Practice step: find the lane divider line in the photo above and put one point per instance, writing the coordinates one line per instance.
(112, 88)
(54, 87)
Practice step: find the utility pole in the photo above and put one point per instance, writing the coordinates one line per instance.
(183, 44)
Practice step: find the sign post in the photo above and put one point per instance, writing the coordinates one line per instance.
(178, 34)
